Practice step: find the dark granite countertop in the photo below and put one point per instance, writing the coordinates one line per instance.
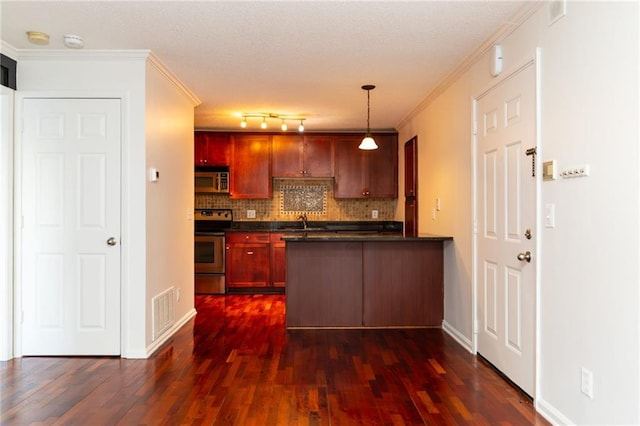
(377, 227)
(358, 236)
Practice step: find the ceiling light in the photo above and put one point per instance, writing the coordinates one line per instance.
(270, 115)
(36, 37)
(368, 143)
(73, 41)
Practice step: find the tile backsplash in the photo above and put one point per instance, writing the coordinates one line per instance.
(292, 197)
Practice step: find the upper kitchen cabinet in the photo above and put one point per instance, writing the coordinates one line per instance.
(366, 174)
(250, 166)
(303, 156)
(211, 149)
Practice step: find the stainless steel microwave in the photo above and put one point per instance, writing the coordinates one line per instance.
(212, 182)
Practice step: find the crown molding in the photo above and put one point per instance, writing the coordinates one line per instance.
(81, 55)
(155, 62)
(509, 27)
(8, 50)
(143, 55)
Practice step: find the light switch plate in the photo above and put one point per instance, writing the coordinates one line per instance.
(550, 215)
(251, 214)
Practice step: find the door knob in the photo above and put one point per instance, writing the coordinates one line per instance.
(111, 241)
(525, 256)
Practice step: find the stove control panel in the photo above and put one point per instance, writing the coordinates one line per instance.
(221, 215)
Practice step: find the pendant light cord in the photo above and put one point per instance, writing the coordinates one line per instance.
(368, 111)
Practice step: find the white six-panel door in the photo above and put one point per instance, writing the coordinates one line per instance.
(506, 192)
(70, 180)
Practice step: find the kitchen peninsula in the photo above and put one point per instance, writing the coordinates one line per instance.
(354, 280)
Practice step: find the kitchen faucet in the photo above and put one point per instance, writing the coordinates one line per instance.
(303, 218)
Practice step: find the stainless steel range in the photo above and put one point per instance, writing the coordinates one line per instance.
(210, 225)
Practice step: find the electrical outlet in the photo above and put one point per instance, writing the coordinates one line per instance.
(251, 214)
(374, 214)
(178, 294)
(433, 214)
(586, 385)
(438, 204)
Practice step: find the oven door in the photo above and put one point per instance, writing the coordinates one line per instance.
(209, 254)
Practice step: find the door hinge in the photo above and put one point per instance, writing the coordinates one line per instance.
(475, 326)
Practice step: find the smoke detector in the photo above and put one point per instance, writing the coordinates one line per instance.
(73, 41)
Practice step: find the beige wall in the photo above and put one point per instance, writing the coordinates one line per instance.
(169, 200)
(588, 293)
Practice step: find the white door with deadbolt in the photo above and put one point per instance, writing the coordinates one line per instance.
(506, 190)
(70, 248)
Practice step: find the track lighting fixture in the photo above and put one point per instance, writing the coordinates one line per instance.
(264, 115)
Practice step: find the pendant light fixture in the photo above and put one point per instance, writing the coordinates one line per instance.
(368, 143)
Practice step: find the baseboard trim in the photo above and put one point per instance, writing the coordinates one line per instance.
(457, 336)
(550, 413)
(153, 347)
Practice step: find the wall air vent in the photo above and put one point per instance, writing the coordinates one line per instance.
(162, 312)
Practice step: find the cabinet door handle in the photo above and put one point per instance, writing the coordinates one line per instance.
(249, 252)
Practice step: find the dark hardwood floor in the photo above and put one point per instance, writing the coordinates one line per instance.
(236, 364)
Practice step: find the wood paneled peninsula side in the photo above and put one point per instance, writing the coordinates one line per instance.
(352, 280)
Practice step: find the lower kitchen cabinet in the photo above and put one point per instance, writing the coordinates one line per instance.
(364, 284)
(255, 260)
(247, 259)
(327, 284)
(278, 261)
(403, 284)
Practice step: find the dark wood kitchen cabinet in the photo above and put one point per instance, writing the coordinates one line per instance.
(303, 156)
(411, 168)
(250, 168)
(366, 174)
(247, 260)
(327, 290)
(211, 149)
(372, 283)
(278, 261)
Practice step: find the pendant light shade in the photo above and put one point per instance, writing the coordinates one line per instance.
(368, 143)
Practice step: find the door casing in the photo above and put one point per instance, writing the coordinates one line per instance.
(125, 270)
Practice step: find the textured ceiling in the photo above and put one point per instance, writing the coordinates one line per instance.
(301, 58)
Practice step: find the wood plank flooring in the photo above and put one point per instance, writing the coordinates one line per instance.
(235, 364)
